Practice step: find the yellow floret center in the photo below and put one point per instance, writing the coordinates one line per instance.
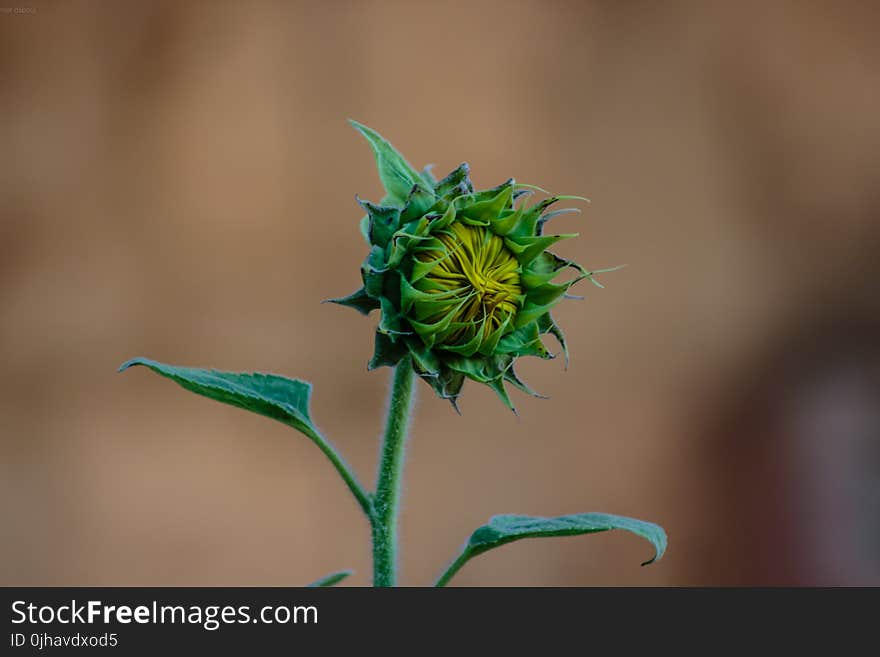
(474, 278)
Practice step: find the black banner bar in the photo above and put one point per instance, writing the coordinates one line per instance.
(125, 621)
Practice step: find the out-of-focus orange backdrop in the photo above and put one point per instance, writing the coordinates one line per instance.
(177, 181)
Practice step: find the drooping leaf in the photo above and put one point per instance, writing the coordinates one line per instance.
(271, 395)
(504, 529)
(331, 580)
(397, 175)
(277, 397)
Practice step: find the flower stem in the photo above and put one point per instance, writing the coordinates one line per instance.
(386, 500)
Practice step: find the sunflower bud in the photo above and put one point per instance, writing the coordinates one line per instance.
(462, 277)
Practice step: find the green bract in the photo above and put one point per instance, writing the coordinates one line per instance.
(462, 277)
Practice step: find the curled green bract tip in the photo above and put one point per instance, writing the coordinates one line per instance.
(462, 277)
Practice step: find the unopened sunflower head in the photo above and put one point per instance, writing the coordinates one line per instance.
(462, 277)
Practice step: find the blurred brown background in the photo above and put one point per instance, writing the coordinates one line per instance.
(177, 181)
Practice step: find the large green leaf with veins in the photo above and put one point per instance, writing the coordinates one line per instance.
(271, 395)
(504, 529)
(277, 397)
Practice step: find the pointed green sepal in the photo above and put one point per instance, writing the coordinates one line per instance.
(511, 376)
(547, 325)
(547, 294)
(359, 300)
(544, 218)
(506, 222)
(373, 270)
(545, 268)
(527, 249)
(418, 202)
(392, 322)
(382, 222)
(482, 212)
(452, 185)
(447, 385)
(498, 387)
(425, 361)
(387, 351)
(524, 341)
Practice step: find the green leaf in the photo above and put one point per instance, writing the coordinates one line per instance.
(331, 580)
(397, 175)
(504, 529)
(276, 397)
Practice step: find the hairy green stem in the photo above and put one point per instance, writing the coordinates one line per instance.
(387, 497)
